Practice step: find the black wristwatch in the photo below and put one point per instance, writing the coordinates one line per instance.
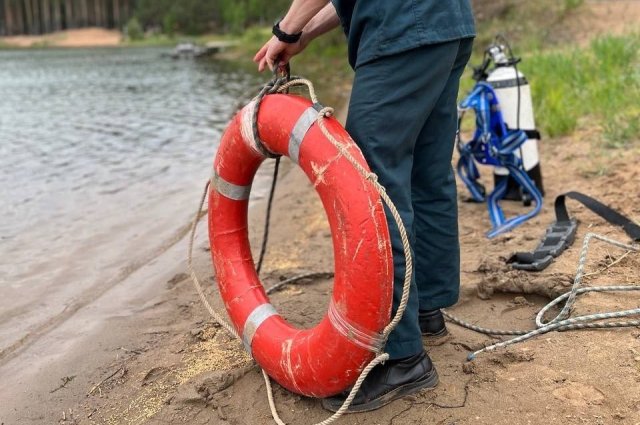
(283, 36)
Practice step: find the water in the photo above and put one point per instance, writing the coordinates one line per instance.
(103, 154)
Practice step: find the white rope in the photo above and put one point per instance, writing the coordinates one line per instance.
(194, 278)
(373, 178)
(562, 322)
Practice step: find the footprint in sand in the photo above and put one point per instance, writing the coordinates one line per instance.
(579, 395)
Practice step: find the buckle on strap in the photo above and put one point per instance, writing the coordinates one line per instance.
(559, 236)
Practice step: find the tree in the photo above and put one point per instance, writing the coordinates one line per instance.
(116, 14)
(69, 21)
(28, 13)
(57, 15)
(84, 13)
(46, 16)
(8, 18)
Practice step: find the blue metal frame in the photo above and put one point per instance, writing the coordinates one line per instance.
(494, 144)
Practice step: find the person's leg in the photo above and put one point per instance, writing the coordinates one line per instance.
(390, 102)
(433, 188)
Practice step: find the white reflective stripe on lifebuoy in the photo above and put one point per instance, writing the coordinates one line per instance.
(368, 340)
(228, 189)
(303, 125)
(253, 322)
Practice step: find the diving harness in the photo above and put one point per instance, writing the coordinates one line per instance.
(512, 151)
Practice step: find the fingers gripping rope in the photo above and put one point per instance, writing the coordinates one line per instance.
(279, 86)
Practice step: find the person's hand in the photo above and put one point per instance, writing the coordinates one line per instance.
(275, 50)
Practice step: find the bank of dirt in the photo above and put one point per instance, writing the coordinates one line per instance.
(185, 369)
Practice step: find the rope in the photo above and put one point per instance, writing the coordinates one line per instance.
(280, 85)
(562, 322)
(267, 219)
(312, 275)
(194, 277)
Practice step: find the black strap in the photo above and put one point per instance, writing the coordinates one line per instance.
(531, 133)
(608, 213)
(283, 36)
(561, 234)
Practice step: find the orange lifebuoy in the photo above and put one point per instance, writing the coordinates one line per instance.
(327, 358)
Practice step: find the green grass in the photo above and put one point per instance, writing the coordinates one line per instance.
(591, 87)
(595, 86)
(531, 25)
(5, 46)
(171, 40)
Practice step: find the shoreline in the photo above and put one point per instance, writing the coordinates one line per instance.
(146, 351)
(47, 375)
(97, 37)
(73, 38)
(163, 360)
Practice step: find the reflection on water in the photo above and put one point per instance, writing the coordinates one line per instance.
(102, 156)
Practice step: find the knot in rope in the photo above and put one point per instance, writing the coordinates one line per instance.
(326, 112)
(271, 87)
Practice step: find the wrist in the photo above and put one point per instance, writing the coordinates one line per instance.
(289, 27)
(284, 34)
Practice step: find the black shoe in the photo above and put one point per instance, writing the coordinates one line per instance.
(432, 323)
(387, 382)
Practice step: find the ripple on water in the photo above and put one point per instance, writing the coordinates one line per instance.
(97, 146)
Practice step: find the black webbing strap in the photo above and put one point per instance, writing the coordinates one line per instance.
(608, 213)
(531, 134)
(561, 234)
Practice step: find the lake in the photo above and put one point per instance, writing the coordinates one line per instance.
(103, 156)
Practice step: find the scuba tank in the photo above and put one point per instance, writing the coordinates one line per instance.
(514, 96)
(504, 138)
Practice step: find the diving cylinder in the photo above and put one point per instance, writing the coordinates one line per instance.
(514, 95)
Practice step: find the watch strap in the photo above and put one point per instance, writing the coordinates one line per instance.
(283, 36)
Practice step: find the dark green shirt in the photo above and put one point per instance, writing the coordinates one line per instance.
(377, 28)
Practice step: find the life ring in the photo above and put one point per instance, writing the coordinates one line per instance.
(327, 358)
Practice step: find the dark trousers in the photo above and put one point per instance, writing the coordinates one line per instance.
(403, 116)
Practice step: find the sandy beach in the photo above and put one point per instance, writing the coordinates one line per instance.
(161, 359)
(81, 37)
(142, 349)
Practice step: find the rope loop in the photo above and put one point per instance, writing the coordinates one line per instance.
(562, 321)
(278, 84)
(269, 88)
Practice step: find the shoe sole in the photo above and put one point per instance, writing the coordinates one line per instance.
(437, 335)
(430, 381)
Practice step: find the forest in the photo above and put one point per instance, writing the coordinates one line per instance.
(34, 17)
